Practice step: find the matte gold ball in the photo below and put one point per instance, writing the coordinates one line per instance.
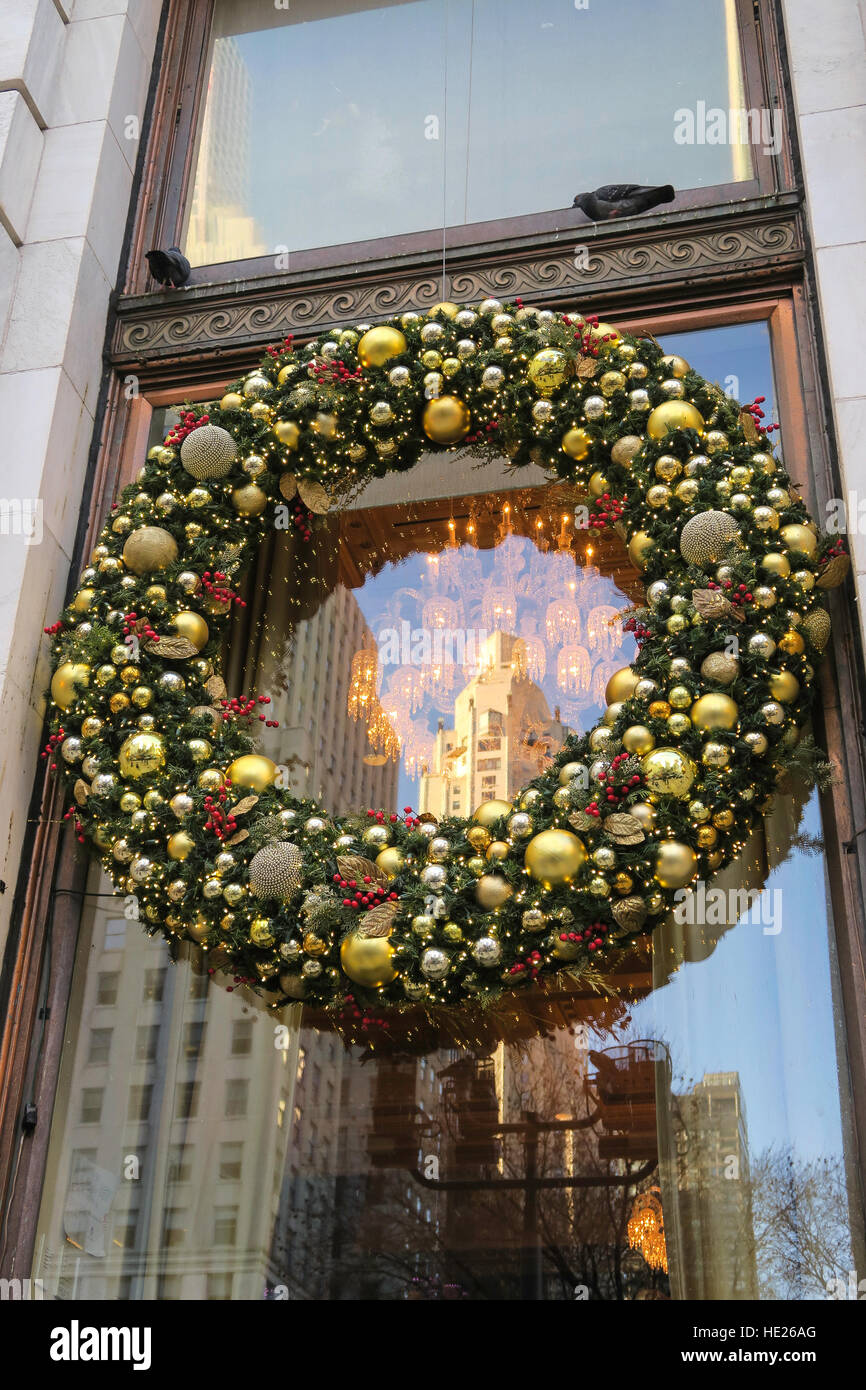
(674, 415)
(645, 813)
(638, 739)
(639, 548)
(191, 626)
(554, 857)
(491, 811)
(496, 850)
(491, 891)
(720, 667)
(625, 449)
(784, 686)
(252, 771)
(379, 345)
(575, 443)
(446, 419)
(715, 711)
(390, 861)
(141, 755)
(776, 564)
(368, 960)
(547, 370)
(668, 772)
(180, 844)
(149, 548)
(287, 432)
(800, 538)
(675, 865)
(249, 500)
(69, 678)
(621, 685)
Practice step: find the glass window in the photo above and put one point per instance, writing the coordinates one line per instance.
(242, 1037)
(106, 988)
(100, 1045)
(329, 122)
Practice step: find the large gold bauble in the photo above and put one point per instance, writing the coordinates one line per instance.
(287, 432)
(639, 548)
(674, 415)
(180, 844)
(675, 366)
(638, 739)
(249, 500)
(191, 626)
(776, 564)
(390, 861)
(668, 772)
(83, 599)
(548, 369)
(149, 548)
(802, 538)
(575, 443)
(368, 960)
(379, 345)
(554, 857)
(252, 770)
(705, 538)
(141, 755)
(714, 711)
(489, 812)
(676, 864)
(232, 400)
(69, 677)
(491, 891)
(446, 419)
(445, 307)
(621, 685)
(720, 667)
(784, 686)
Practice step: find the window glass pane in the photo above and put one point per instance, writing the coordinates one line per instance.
(693, 1129)
(467, 111)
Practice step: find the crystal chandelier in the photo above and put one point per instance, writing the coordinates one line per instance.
(573, 669)
(363, 680)
(529, 658)
(499, 609)
(646, 1229)
(604, 630)
(562, 621)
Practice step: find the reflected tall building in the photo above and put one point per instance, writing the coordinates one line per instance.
(502, 737)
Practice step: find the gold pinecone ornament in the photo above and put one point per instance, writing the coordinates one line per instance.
(816, 626)
(275, 871)
(208, 452)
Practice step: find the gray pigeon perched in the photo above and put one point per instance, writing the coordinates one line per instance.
(169, 267)
(622, 200)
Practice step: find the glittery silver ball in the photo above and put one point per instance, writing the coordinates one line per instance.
(399, 376)
(71, 750)
(212, 888)
(492, 378)
(773, 712)
(594, 407)
(428, 828)
(176, 890)
(432, 332)
(311, 968)
(122, 851)
(756, 741)
(542, 411)
(534, 919)
(465, 318)
(315, 825)
(103, 783)
(466, 348)
(761, 644)
(487, 951)
(520, 825)
(639, 399)
(434, 875)
(381, 413)
(658, 590)
(290, 950)
(435, 964)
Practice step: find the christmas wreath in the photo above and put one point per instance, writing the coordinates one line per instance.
(371, 911)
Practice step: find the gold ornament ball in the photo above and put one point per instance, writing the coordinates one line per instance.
(598, 485)
(287, 432)
(625, 449)
(575, 443)
(705, 538)
(621, 685)
(368, 960)
(141, 755)
(639, 548)
(547, 370)
(252, 771)
(674, 415)
(82, 601)
(69, 678)
(645, 813)
(715, 712)
(816, 625)
(554, 857)
(390, 861)
(491, 891)
(446, 419)
(249, 500)
(497, 850)
(784, 686)
(679, 697)
(668, 772)
(149, 548)
(675, 366)
(191, 626)
(723, 819)
(379, 345)
(707, 836)
(118, 702)
(659, 709)
(478, 836)
(777, 564)
(675, 865)
(232, 400)
(491, 811)
(720, 667)
(792, 643)
(800, 538)
(679, 724)
(180, 844)
(638, 739)
(612, 713)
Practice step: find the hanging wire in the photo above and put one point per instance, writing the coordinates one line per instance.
(469, 114)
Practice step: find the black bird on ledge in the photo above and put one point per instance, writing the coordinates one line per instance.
(622, 200)
(171, 268)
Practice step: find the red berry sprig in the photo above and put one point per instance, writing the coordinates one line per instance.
(244, 707)
(302, 518)
(757, 414)
(134, 626)
(612, 790)
(214, 584)
(605, 511)
(222, 823)
(188, 422)
(51, 746)
(528, 966)
(287, 347)
(366, 895)
(54, 628)
(588, 338)
(639, 631)
(591, 937)
(77, 826)
(490, 428)
(332, 373)
(737, 597)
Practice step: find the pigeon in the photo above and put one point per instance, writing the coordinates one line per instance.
(170, 268)
(622, 200)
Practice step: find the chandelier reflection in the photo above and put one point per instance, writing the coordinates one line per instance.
(573, 670)
(646, 1229)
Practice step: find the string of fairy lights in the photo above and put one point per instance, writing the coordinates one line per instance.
(385, 908)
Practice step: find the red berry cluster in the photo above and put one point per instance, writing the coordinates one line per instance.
(55, 627)
(639, 631)
(51, 747)
(222, 823)
(328, 373)
(605, 510)
(836, 549)
(757, 414)
(188, 422)
(489, 428)
(366, 895)
(351, 1012)
(591, 937)
(529, 966)
(737, 597)
(287, 347)
(79, 828)
(379, 816)
(244, 707)
(589, 346)
(213, 584)
(612, 792)
(134, 626)
(302, 518)
(412, 821)
(237, 980)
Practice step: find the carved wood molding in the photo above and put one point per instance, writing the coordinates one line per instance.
(227, 321)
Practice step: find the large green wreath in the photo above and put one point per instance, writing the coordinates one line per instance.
(372, 911)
